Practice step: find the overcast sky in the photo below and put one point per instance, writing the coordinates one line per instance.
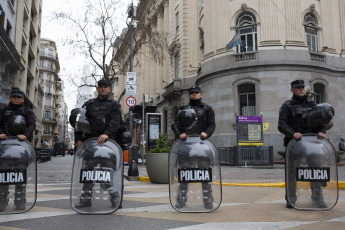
(69, 62)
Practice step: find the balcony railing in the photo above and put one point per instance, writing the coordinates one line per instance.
(49, 68)
(49, 56)
(52, 120)
(9, 44)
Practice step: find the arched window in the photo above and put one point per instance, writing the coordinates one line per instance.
(311, 32)
(247, 101)
(320, 93)
(246, 24)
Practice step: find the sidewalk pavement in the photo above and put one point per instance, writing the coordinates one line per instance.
(256, 176)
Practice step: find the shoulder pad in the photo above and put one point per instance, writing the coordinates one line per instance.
(90, 101)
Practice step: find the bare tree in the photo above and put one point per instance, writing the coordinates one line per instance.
(96, 32)
(93, 33)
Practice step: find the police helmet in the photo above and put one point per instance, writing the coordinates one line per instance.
(327, 112)
(126, 139)
(16, 125)
(79, 121)
(186, 119)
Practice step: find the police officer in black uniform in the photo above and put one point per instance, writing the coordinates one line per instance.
(104, 115)
(205, 126)
(206, 123)
(292, 123)
(24, 131)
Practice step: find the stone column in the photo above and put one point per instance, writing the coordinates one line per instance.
(293, 20)
(165, 51)
(269, 24)
(159, 60)
(342, 24)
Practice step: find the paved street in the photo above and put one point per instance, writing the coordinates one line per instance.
(147, 206)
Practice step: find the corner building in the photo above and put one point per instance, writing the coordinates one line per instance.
(281, 41)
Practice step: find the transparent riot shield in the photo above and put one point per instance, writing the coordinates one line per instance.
(194, 175)
(97, 178)
(18, 172)
(311, 174)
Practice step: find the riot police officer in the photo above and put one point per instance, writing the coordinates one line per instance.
(16, 120)
(201, 121)
(104, 115)
(293, 123)
(205, 115)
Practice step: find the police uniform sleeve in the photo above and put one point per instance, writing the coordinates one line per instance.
(211, 123)
(78, 136)
(283, 126)
(1, 112)
(174, 126)
(31, 124)
(115, 119)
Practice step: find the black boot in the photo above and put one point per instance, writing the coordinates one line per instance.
(85, 199)
(317, 198)
(207, 195)
(182, 195)
(114, 199)
(3, 201)
(19, 197)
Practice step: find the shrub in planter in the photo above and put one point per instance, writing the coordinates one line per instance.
(157, 161)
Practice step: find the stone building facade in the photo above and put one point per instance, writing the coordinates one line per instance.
(9, 56)
(281, 41)
(51, 85)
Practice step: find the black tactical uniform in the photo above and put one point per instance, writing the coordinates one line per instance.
(206, 119)
(10, 110)
(104, 116)
(205, 123)
(293, 119)
(30, 118)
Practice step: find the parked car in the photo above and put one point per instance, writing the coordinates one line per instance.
(59, 149)
(43, 155)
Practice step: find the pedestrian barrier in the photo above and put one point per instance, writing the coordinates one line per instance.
(240, 155)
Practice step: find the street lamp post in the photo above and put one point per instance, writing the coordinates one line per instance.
(133, 168)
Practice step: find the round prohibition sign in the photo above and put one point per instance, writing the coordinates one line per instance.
(131, 101)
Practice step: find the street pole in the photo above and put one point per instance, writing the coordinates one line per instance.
(143, 130)
(133, 168)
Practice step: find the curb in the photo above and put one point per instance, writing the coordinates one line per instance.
(341, 184)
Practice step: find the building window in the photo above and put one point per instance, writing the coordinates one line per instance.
(50, 53)
(42, 50)
(177, 22)
(177, 65)
(247, 101)
(246, 24)
(41, 63)
(47, 114)
(8, 29)
(311, 31)
(28, 87)
(320, 93)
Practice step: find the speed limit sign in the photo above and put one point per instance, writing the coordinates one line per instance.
(131, 101)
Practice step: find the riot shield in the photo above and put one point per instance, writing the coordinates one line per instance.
(311, 174)
(97, 177)
(194, 175)
(18, 172)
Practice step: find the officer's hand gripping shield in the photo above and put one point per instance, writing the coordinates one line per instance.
(18, 172)
(194, 175)
(97, 178)
(311, 173)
